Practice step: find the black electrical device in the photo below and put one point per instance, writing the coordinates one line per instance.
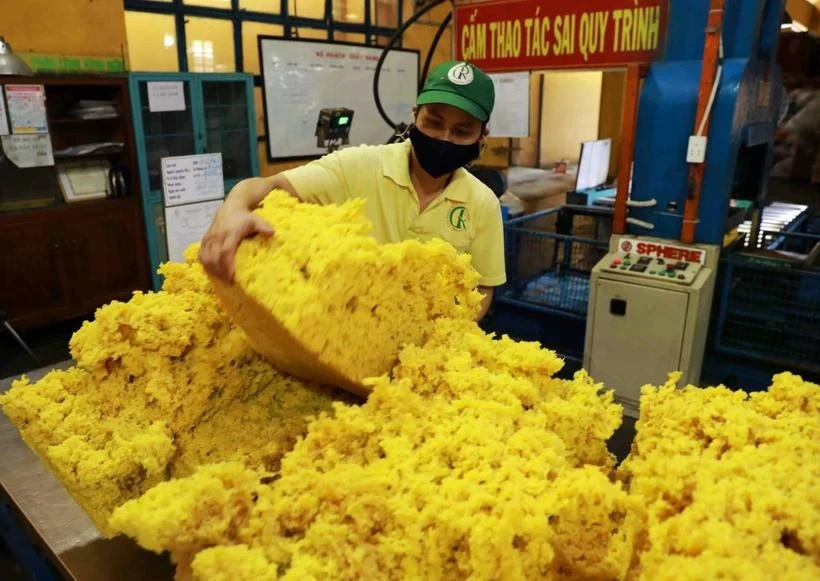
(333, 127)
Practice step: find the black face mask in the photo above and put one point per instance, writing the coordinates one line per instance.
(438, 157)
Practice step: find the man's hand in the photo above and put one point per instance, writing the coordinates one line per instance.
(236, 221)
(232, 224)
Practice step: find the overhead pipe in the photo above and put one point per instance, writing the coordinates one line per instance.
(707, 93)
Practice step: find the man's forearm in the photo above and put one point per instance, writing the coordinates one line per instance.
(250, 192)
(487, 299)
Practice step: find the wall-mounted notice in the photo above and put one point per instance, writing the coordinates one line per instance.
(185, 225)
(526, 35)
(4, 122)
(166, 96)
(192, 178)
(28, 150)
(511, 114)
(27, 108)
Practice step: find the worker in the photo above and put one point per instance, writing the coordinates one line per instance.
(416, 189)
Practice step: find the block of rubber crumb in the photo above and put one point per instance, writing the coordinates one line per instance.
(51, 410)
(101, 478)
(322, 300)
(729, 481)
(234, 563)
(164, 383)
(597, 525)
(185, 516)
(278, 407)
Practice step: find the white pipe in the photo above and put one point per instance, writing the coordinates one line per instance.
(713, 94)
(641, 223)
(633, 203)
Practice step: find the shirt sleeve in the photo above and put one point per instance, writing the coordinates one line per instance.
(324, 181)
(487, 247)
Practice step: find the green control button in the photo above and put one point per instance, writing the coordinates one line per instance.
(651, 272)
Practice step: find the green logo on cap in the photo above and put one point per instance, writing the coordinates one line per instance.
(458, 217)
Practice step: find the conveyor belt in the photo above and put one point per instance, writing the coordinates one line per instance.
(776, 217)
(56, 525)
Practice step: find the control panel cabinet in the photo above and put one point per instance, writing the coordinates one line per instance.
(649, 307)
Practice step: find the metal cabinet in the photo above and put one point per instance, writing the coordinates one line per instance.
(218, 117)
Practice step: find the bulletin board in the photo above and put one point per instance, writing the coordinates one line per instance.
(301, 77)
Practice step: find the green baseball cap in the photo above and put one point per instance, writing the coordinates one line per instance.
(462, 85)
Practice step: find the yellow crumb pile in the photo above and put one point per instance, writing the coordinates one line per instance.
(322, 290)
(731, 482)
(470, 461)
(163, 383)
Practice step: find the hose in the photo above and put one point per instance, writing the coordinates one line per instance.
(713, 94)
(387, 48)
(640, 223)
(432, 50)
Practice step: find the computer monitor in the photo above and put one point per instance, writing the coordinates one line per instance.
(593, 167)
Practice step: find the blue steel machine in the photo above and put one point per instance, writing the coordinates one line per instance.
(742, 122)
(657, 307)
(650, 298)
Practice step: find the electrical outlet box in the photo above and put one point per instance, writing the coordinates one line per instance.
(696, 152)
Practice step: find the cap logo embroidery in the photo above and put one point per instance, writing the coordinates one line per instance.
(461, 74)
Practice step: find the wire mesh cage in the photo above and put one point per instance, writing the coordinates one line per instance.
(549, 256)
(769, 306)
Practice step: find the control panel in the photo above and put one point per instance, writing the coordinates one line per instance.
(640, 279)
(679, 271)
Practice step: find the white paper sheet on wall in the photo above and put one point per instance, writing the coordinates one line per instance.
(186, 224)
(511, 114)
(4, 121)
(27, 108)
(192, 178)
(594, 163)
(166, 96)
(28, 150)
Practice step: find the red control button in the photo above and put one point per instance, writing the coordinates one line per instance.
(670, 267)
(616, 261)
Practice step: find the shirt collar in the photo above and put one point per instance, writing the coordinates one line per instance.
(396, 164)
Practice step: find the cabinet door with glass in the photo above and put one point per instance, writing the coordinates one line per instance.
(192, 113)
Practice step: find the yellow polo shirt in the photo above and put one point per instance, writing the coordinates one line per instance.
(466, 214)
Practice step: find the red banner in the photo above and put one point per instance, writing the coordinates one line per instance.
(519, 35)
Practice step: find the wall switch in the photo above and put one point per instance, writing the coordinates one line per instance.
(696, 152)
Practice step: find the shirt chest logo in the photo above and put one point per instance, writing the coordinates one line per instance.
(458, 217)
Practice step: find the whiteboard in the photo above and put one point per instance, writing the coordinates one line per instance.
(301, 77)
